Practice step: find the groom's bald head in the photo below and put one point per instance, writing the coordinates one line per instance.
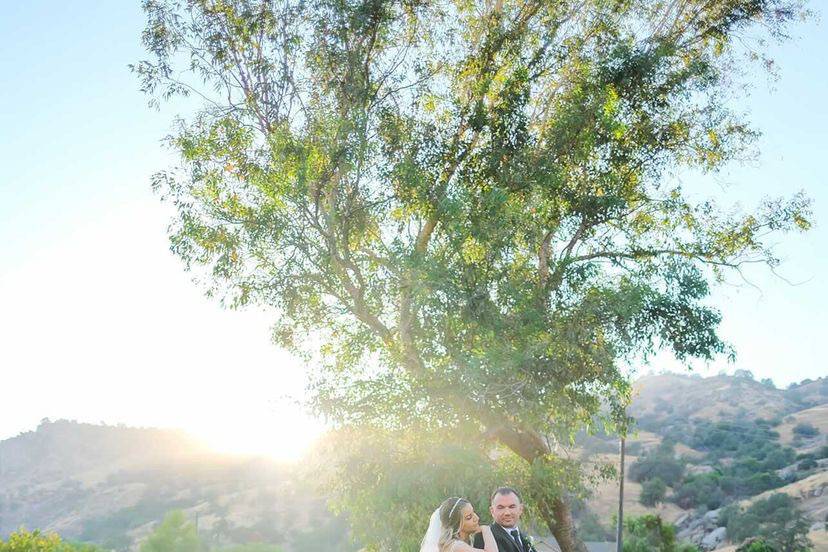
(505, 491)
(506, 507)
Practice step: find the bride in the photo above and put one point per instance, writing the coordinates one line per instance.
(452, 526)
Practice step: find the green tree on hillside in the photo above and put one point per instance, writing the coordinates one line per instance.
(36, 541)
(805, 429)
(174, 534)
(659, 463)
(756, 545)
(701, 490)
(465, 212)
(650, 534)
(775, 519)
(653, 492)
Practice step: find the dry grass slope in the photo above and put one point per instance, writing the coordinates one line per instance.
(816, 416)
(715, 398)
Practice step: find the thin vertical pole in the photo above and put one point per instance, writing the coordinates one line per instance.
(619, 531)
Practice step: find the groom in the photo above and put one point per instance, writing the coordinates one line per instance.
(506, 509)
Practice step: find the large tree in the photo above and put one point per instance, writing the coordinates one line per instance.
(465, 212)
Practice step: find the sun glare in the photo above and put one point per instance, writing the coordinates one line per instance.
(285, 438)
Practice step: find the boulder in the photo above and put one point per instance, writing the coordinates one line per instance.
(683, 520)
(711, 517)
(713, 539)
(788, 473)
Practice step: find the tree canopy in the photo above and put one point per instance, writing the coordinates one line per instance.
(37, 541)
(776, 519)
(465, 213)
(174, 534)
(649, 533)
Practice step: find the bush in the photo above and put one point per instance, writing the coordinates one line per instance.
(805, 430)
(700, 490)
(660, 463)
(777, 459)
(590, 528)
(759, 483)
(35, 541)
(174, 534)
(775, 519)
(650, 534)
(756, 545)
(653, 492)
(807, 464)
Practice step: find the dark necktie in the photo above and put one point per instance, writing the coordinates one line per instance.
(516, 538)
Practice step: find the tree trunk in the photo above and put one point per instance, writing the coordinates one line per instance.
(564, 528)
(558, 518)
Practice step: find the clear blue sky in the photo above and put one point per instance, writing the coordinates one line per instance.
(99, 322)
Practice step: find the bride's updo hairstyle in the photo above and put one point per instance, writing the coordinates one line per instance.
(451, 517)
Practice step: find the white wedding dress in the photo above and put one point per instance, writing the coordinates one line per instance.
(431, 540)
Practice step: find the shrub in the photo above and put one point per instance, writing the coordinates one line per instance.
(174, 534)
(777, 459)
(36, 541)
(660, 463)
(590, 528)
(653, 492)
(805, 429)
(775, 519)
(756, 545)
(700, 490)
(807, 464)
(650, 534)
(760, 482)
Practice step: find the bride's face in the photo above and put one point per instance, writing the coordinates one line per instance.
(469, 522)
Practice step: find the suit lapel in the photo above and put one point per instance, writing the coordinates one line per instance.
(506, 538)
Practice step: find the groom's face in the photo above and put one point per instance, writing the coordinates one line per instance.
(506, 510)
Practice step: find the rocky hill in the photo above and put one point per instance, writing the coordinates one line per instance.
(732, 440)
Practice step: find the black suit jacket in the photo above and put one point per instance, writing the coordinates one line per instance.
(505, 542)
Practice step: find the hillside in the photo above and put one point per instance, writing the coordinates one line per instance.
(62, 449)
(726, 439)
(816, 416)
(111, 485)
(659, 399)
